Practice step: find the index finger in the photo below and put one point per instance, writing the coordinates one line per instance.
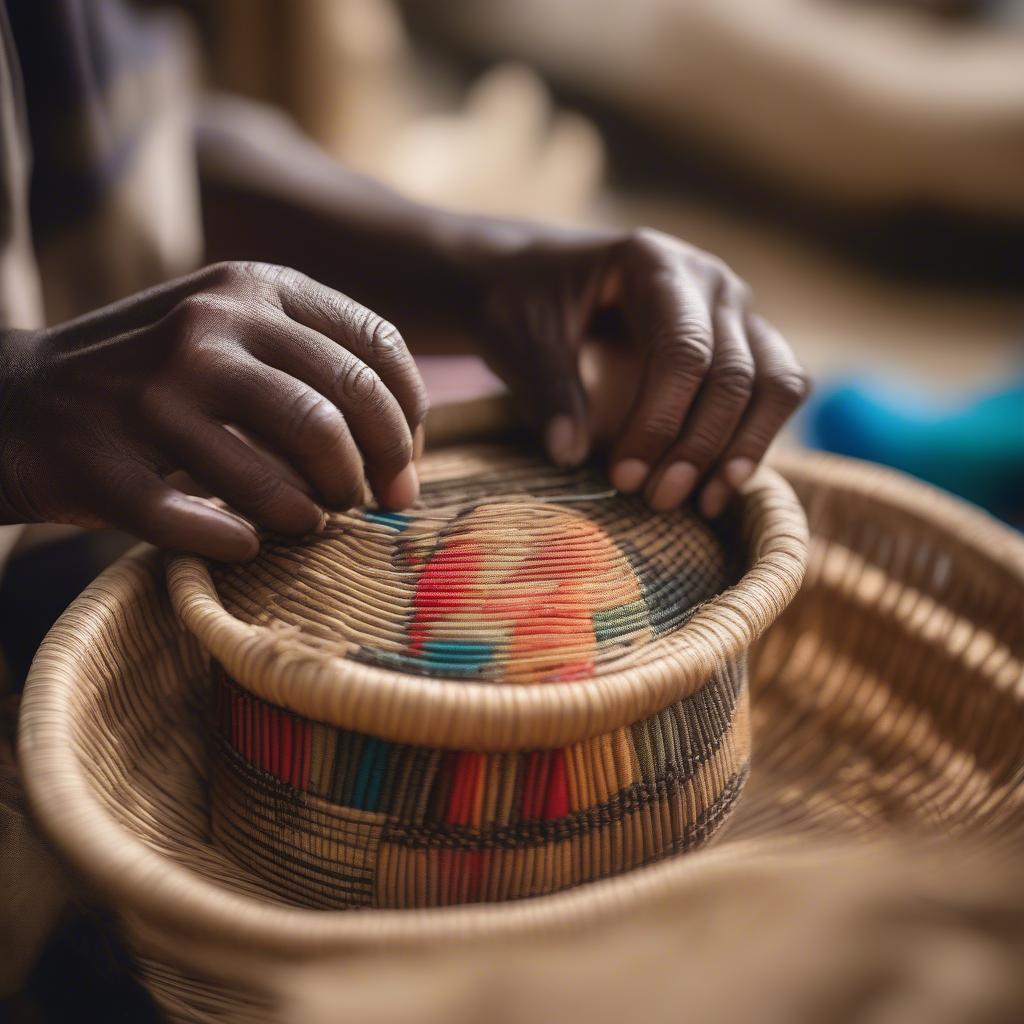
(366, 335)
(668, 314)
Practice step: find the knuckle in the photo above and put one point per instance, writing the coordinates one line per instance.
(722, 269)
(150, 402)
(658, 429)
(384, 338)
(333, 306)
(714, 269)
(285, 279)
(702, 443)
(193, 311)
(789, 388)
(734, 288)
(263, 493)
(420, 401)
(733, 382)
(206, 327)
(757, 437)
(395, 451)
(227, 273)
(686, 347)
(145, 513)
(359, 382)
(646, 239)
(202, 312)
(314, 423)
(362, 323)
(267, 278)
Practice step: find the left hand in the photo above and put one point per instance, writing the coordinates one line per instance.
(689, 388)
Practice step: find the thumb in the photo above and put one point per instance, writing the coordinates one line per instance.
(541, 369)
(562, 405)
(611, 375)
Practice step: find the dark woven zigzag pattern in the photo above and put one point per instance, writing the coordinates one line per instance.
(346, 802)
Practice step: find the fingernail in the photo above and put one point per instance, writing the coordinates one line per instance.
(714, 499)
(419, 440)
(403, 490)
(629, 475)
(738, 471)
(675, 484)
(567, 446)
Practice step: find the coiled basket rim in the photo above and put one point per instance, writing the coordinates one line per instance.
(169, 901)
(459, 714)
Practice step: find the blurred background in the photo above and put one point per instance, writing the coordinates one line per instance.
(859, 162)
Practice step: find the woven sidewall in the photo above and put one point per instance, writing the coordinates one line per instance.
(386, 825)
(508, 573)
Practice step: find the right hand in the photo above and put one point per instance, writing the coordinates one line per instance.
(96, 413)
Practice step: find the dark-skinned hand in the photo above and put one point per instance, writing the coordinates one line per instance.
(684, 393)
(97, 413)
(687, 387)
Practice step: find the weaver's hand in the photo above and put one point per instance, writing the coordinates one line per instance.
(96, 413)
(691, 386)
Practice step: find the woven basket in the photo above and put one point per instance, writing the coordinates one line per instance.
(524, 683)
(887, 700)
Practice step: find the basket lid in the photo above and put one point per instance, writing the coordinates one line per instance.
(508, 573)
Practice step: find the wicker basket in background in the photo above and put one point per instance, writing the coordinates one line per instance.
(524, 683)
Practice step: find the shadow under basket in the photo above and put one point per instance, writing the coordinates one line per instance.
(524, 683)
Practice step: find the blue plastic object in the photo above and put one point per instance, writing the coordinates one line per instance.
(974, 448)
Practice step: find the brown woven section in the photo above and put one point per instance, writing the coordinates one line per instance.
(507, 573)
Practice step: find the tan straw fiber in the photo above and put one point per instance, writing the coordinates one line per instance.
(289, 670)
(523, 683)
(888, 699)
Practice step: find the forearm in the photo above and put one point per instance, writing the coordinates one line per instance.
(270, 194)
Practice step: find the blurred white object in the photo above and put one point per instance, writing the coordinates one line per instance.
(854, 102)
(351, 73)
(504, 150)
(507, 151)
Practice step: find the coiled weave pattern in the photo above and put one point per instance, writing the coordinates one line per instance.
(508, 573)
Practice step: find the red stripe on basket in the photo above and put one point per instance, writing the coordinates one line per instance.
(556, 802)
(535, 785)
(286, 748)
(444, 586)
(467, 776)
(250, 714)
(275, 741)
(454, 812)
(305, 768)
(265, 740)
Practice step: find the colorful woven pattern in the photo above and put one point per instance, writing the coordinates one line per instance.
(337, 819)
(510, 573)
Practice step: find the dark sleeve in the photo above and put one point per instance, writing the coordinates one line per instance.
(20, 302)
